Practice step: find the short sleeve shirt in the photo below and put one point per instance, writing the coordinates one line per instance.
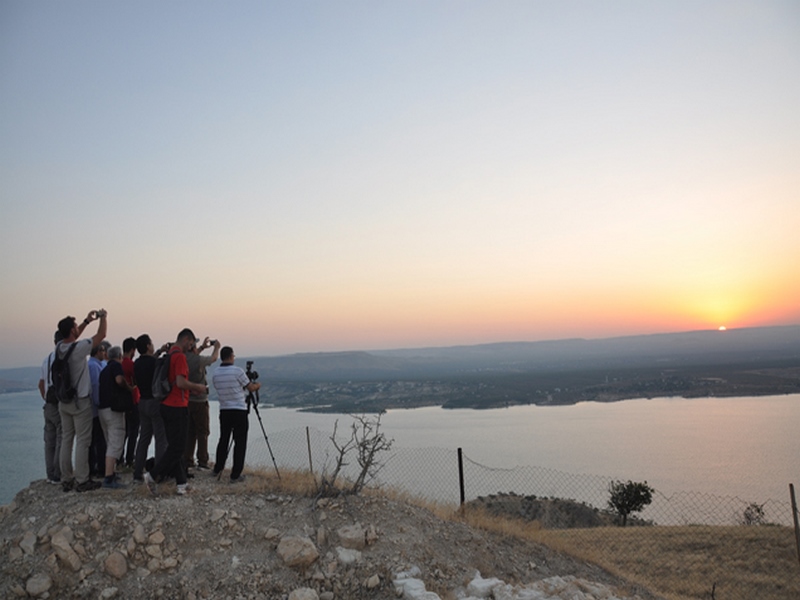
(177, 366)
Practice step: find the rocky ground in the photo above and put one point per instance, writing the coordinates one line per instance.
(252, 540)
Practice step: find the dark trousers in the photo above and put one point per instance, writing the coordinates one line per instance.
(132, 434)
(232, 422)
(97, 450)
(176, 421)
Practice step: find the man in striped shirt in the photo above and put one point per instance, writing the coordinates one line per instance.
(232, 385)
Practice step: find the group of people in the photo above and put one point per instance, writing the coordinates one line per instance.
(105, 439)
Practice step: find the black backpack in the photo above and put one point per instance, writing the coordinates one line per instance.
(61, 378)
(161, 383)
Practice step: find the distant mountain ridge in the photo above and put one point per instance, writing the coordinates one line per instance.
(710, 347)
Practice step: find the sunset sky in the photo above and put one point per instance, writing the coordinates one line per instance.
(316, 176)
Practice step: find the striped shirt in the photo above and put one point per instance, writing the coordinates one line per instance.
(230, 381)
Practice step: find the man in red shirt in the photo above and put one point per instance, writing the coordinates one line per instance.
(175, 413)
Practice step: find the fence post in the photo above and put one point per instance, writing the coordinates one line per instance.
(794, 516)
(461, 475)
(308, 442)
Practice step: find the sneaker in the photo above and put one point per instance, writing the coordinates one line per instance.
(114, 484)
(88, 486)
(203, 467)
(189, 475)
(54, 481)
(68, 486)
(183, 489)
(239, 479)
(138, 479)
(150, 482)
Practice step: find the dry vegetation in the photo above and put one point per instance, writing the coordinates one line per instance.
(678, 563)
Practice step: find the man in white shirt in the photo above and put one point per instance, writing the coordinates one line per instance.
(232, 383)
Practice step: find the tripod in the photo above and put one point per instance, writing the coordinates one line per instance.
(252, 400)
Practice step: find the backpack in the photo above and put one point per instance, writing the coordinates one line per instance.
(162, 386)
(61, 378)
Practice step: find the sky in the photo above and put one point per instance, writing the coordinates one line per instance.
(329, 176)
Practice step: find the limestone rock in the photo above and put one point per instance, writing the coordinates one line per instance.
(157, 537)
(298, 552)
(116, 565)
(303, 594)
(138, 534)
(38, 584)
(217, 514)
(352, 536)
(347, 556)
(65, 553)
(28, 542)
(373, 582)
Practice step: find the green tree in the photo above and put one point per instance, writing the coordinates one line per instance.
(627, 498)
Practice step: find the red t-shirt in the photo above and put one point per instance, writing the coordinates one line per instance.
(177, 366)
(127, 370)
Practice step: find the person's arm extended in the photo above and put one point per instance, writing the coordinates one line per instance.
(184, 384)
(101, 330)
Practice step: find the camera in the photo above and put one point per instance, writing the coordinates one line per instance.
(251, 375)
(100, 313)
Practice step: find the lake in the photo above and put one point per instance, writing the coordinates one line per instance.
(743, 447)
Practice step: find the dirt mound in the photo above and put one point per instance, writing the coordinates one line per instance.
(225, 540)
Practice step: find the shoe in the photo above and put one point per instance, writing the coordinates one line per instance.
(138, 479)
(183, 489)
(150, 482)
(88, 486)
(114, 484)
(189, 475)
(203, 467)
(239, 479)
(54, 481)
(68, 486)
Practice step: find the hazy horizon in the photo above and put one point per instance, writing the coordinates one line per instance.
(324, 177)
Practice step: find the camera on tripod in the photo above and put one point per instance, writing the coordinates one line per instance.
(251, 375)
(252, 398)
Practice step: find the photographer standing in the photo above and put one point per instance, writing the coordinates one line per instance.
(231, 382)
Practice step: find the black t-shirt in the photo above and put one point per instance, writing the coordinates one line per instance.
(108, 382)
(143, 370)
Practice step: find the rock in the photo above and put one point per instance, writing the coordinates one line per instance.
(352, 536)
(272, 534)
(217, 514)
(373, 582)
(322, 536)
(303, 594)
(38, 584)
(297, 552)
(326, 596)
(347, 556)
(65, 552)
(116, 565)
(139, 535)
(109, 592)
(154, 550)
(482, 588)
(28, 542)
(157, 537)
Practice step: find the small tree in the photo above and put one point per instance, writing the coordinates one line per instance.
(368, 442)
(627, 498)
(753, 514)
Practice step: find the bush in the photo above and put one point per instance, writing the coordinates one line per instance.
(627, 498)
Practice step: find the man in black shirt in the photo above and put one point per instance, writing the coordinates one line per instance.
(150, 422)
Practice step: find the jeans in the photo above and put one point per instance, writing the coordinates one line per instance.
(151, 425)
(232, 422)
(131, 434)
(76, 428)
(97, 451)
(199, 428)
(176, 421)
(52, 441)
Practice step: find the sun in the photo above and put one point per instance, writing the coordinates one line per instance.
(723, 328)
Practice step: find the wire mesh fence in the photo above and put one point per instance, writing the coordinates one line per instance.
(683, 545)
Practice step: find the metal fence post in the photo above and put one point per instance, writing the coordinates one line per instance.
(794, 516)
(308, 442)
(461, 475)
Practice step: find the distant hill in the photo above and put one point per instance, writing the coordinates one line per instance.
(696, 348)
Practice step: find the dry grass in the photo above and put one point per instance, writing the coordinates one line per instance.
(679, 563)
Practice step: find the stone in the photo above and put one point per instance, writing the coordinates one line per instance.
(482, 588)
(297, 552)
(322, 536)
(28, 543)
(109, 592)
(38, 584)
(139, 535)
(65, 552)
(373, 582)
(157, 537)
(154, 550)
(116, 565)
(352, 536)
(347, 556)
(303, 594)
(272, 534)
(217, 514)
(326, 596)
